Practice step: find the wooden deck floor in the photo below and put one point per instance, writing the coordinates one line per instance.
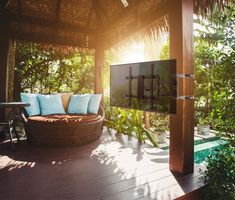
(112, 168)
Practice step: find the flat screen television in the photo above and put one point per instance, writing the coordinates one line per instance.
(148, 86)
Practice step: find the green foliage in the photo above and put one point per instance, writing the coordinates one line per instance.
(128, 122)
(46, 70)
(215, 74)
(204, 121)
(165, 51)
(214, 69)
(220, 175)
(159, 122)
(215, 97)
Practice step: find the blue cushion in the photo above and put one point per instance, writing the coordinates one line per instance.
(51, 104)
(32, 99)
(94, 103)
(78, 104)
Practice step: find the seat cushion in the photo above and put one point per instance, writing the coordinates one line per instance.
(64, 119)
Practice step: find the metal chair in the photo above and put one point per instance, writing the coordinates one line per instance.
(8, 127)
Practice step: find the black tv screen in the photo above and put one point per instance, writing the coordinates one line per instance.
(148, 86)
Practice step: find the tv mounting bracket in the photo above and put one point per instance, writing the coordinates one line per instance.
(187, 97)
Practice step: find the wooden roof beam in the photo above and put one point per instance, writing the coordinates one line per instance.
(49, 39)
(50, 24)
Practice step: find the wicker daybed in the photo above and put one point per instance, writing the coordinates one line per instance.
(63, 130)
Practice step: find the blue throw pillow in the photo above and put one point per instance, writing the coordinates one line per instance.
(32, 99)
(51, 104)
(94, 103)
(78, 104)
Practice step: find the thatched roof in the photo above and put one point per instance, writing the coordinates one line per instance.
(78, 22)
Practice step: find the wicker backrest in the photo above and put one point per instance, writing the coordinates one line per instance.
(101, 112)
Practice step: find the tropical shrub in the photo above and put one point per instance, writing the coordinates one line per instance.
(129, 122)
(220, 174)
(215, 74)
(159, 121)
(47, 69)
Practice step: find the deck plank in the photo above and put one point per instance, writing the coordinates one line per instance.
(111, 168)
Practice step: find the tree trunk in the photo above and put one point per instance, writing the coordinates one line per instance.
(147, 119)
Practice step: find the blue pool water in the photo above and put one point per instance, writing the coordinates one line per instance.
(203, 150)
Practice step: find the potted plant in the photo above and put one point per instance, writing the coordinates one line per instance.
(161, 136)
(160, 125)
(203, 126)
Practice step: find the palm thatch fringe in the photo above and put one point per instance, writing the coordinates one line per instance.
(151, 33)
(206, 7)
(154, 31)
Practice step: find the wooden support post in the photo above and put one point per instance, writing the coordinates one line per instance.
(10, 69)
(99, 64)
(182, 124)
(6, 52)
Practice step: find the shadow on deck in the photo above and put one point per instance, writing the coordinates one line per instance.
(111, 168)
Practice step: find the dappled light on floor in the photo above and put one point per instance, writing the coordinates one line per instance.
(115, 167)
(5, 161)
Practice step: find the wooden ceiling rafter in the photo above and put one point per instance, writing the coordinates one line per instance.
(102, 10)
(97, 13)
(89, 16)
(19, 7)
(122, 15)
(58, 8)
(19, 11)
(4, 3)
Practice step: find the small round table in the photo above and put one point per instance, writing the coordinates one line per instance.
(9, 126)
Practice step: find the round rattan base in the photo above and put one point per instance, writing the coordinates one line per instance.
(53, 133)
